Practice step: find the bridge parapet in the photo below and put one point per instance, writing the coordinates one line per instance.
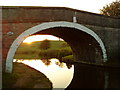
(48, 14)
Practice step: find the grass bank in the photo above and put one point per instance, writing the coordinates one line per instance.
(58, 49)
(25, 77)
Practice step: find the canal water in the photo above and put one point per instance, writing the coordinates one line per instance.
(88, 76)
(67, 76)
(59, 73)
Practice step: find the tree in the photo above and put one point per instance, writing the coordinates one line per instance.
(45, 44)
(112, 9)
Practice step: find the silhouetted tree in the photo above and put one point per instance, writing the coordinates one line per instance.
(112, 9)
(45, 44)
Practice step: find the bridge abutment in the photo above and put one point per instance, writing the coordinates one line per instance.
(111, 39)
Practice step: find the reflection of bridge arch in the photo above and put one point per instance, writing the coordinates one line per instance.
(48, 25)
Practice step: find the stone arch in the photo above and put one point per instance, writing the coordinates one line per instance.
(47, 25)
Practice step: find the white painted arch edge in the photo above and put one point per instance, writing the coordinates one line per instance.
(48, 25)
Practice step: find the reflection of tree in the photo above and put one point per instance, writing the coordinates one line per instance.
(47, 62)
(60, 64)
(69, 65)
(16, 60)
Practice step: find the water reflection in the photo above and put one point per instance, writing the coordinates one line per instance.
(46, 61)
(88, 76)
(59, 73)
(69, 65)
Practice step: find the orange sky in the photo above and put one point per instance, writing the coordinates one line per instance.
(39, 38)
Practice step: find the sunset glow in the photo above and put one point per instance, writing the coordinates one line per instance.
(33, 38)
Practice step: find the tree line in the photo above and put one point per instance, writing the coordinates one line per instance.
(111, 9)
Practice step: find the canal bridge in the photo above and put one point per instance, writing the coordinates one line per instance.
(94, 38)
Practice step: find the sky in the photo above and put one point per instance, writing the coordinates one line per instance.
(85, 5)
(40, 38)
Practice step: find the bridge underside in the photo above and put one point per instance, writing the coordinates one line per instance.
(85, 48)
